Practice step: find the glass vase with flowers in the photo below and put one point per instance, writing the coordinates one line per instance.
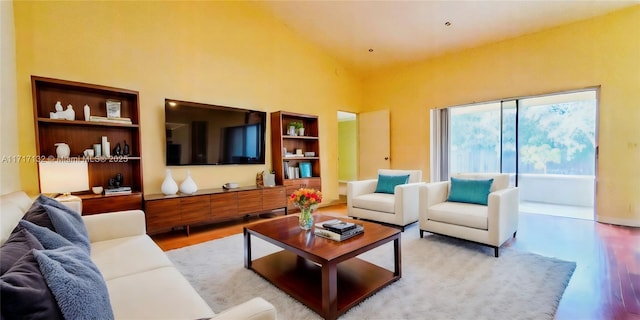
(307, 200)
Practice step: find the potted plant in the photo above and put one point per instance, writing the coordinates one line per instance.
(299, 127)
(294, 128)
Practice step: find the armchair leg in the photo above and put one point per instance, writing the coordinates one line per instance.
(495, 251)
(421, 233)
(514, 233)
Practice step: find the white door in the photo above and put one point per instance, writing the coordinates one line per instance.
(374, 143)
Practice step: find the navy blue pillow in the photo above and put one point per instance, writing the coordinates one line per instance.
(25, 294)
(387, 184)
(38, 215)
(19, 243)
(470, 191)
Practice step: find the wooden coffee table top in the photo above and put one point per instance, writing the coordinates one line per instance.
(287, 233)
(323, 274)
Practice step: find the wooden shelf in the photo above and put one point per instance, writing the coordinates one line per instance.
(87, 123)
(301, 158)
(80, 135)
(300, 278)
(310, 142)
(96, 159)
(299, 137)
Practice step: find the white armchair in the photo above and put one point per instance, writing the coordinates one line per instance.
(399, 208)
(490, 224)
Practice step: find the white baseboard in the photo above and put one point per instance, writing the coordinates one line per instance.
(619, 221)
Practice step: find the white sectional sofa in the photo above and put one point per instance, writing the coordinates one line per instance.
(142, 282)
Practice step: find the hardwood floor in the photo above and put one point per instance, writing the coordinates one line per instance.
(605, 284)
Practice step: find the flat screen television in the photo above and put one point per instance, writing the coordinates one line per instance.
(204, 134)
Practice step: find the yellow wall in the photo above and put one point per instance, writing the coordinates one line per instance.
(347, 150)
(603, 51)
(9, 168)
(232, 53)
(227, 53)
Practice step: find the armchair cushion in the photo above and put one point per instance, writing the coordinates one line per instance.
(460, 214)
(387, 184)
(470, 191)
(382, 202)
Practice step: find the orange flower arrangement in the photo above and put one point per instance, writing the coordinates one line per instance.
(306, 198)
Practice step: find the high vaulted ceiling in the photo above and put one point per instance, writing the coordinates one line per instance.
(366, 35)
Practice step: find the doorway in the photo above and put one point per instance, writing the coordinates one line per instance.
(347, 151)
(548, 144)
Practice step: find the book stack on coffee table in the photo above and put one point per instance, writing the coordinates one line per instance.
(337, 230)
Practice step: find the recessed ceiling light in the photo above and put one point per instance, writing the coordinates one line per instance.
(370, 50)
(447, 24)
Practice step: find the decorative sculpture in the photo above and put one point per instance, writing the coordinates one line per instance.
(117, 151)
(68, 114)
(62, 150)
(56, 115)
(169, 186)
(87, 112)
(188, 186)
(126, 149)
(117, 181)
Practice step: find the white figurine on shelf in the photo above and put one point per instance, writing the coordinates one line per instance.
(58, 113)
(68, 114)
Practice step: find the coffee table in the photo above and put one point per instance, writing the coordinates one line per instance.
(323, 274)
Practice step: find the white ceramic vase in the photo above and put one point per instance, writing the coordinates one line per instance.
(188, 186)
(169, 186)
(70, 114)
(292, 131)
(62, 150)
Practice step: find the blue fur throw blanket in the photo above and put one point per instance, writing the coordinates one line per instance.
(76, 283)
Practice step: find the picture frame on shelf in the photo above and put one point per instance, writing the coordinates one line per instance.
(113, 108)
(305, 169)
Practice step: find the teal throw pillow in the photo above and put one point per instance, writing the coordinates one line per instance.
(470, 191)
(387, 184)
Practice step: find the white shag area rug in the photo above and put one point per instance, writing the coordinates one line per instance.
(442, 278)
